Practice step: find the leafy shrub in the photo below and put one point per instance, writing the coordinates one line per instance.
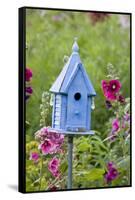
(97, 161)
(104, 158)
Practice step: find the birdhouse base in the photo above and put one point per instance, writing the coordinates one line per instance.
(64, 132)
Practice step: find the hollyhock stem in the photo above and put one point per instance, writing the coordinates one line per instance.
(53, 183)
(70, 152)
(56, 181)
(108, 138)
(123, 145)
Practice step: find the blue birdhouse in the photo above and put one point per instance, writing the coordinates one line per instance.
(73, 95)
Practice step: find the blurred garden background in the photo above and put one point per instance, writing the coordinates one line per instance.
(102, 38)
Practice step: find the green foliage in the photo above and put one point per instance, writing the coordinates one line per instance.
(94, 174)
(49, 37)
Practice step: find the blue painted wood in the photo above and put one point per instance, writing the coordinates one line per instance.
(77, 109)
(57, 111)
(88, 83)
(88, 120)
(70, 160)
(53, 111)
(65, 132)
(63, 112)
(73, 93)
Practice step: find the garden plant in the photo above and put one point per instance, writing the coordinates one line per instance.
(99, 160)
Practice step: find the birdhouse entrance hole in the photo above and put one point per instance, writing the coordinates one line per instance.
(77, 96)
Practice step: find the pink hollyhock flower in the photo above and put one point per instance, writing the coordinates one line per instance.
(42, 134)
(56, 137)
(126, 120)
(115, 125)
(112, 172)
(34, 156)
(114, 86)
(57, 140)
(46, 147)
(111, 88)
(127, 117)
(51, 142)
(53, 166)
(29, 92)
(109, 165)
(115, 128)
(53, 139)
(28, 74)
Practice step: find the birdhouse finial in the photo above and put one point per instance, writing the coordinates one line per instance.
(75, 47)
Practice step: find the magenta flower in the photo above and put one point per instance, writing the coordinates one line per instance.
(127, 117)
(53, 166)
(109, 165)
(34, 156)
(114, 86)
(115, 129)
(112, 172)
(28, 74)
(51, 142)
(46, 147)
(115, 125)
(29, 90)
(126, 121)
(111, 89)
(42, 134)
(56, 137)
(121, 99)
(49, 147)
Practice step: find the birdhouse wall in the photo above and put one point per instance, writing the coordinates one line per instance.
(70, 113)
(88, 119)
(56, 111)
(78, 104)
(63, 112)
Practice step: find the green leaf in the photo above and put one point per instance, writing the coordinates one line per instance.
(63, 167)
(83, 147)
(124, 163)
(94, 174)
(127, 108)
